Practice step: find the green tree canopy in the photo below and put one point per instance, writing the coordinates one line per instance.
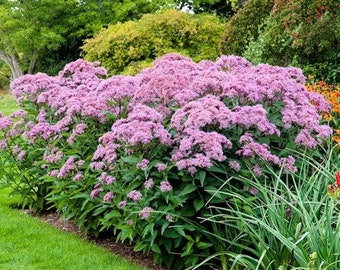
(125, 47)
(31, 27)
(44, 32)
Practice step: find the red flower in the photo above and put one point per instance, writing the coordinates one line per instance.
(337, 179)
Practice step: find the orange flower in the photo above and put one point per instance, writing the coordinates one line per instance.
(327, 116)
(336, 138)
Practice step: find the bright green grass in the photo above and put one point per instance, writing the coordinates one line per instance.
(7, 103)
(27, 243)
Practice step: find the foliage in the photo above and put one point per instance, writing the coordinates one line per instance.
(44, 35)
(23, 39)
(303, 33)
(133, 45)
(281, 223)
(142, 155)
(244, 26)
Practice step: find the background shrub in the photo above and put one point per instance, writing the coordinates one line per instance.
(127, 47)
(245, 25)
(299, 33)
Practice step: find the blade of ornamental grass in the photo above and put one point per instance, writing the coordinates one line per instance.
(291, 223)
(29, 244)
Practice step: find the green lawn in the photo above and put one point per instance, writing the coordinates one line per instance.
(27, 243)
(7, 103)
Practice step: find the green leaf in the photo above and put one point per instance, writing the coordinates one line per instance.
(198, 204)
(203, 245)
(201, 177)
(187, 189)
(188, 249)
(80, 195)
(130, 159)
(112, 214)
(171, 233)
(167, 244)
(164, 227)
(179, 229)
(100, 210)
(217, 169)
(140, 246)
(155, 248)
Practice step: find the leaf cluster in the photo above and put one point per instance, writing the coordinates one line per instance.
(299, 33)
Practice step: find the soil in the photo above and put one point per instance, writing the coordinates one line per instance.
(107, 242)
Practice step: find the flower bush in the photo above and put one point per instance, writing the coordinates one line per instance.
(144, 155)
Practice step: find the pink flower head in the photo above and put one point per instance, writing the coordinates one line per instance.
(257, 170)
(109, 179)
(67, 168)
(149, 183)
(135, 195)
(95, 193)
(235, 165)
(165, 186)
(122, 204)
(145, 212)
(108, 197)
(143, 165)
(3, 144)
(5, 123)
(22, 155)
(53, 173)
(97, 165)
(160, 167)
(169, 218)
(253, 191)
(79, 176)
(288, 164)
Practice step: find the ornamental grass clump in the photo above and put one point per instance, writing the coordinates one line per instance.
(142, 155)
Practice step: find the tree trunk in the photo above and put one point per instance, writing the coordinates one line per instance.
(13, 63)
(32, 63)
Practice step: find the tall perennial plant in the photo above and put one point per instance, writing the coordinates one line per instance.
(141, 155)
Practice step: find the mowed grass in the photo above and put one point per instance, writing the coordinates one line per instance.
(7, 103)
(27, 243)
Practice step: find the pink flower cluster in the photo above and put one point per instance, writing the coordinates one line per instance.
(190, 108)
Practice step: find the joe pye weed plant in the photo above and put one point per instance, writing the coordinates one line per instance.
(142, 155)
